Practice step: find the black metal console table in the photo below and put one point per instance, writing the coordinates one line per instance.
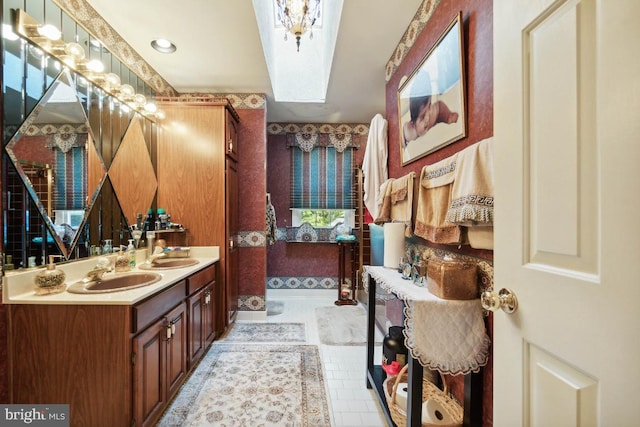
(376, 375)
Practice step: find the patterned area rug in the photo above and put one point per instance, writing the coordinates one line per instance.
(267, 332)
(249, 385)
(342, 325)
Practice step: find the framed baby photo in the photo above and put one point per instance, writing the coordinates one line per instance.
(431, 101)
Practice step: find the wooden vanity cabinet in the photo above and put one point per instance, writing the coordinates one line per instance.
(198, 184)
(159, 364)
(115, 365)
(201, 288)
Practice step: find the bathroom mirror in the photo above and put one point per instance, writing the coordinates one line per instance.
(54, 154)
(132, 173)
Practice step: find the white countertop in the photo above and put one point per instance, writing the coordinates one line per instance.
(19, 288)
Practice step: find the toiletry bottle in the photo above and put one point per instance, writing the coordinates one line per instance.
(107, 249)
(149, 224)
(50, 280)
(139, 223)
(131, 250)
(122, 260)
(162, 219)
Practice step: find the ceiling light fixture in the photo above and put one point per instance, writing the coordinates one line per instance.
(298, 16)
(163, 45)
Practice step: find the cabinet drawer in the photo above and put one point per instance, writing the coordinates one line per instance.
(201, 278)
(149, 310)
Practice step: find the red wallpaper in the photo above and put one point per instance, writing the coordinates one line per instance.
(252, 177)
(252, 174)
(478, 46)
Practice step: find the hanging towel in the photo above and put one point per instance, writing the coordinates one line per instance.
(271, 222)
(402, 201)
(434, 196)
(384, 202)
(472, 191)
(374, 164)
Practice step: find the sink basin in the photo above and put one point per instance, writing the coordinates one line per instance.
(168, 263)
(119, 282)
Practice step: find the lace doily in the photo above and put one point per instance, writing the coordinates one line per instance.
(444, 335)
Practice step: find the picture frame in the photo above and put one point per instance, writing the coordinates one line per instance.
(431, 101)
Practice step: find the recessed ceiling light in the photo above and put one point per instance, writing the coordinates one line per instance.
(163, 45)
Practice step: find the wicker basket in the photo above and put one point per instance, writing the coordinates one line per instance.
(429, 391)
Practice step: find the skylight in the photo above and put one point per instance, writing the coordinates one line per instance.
(298, 76)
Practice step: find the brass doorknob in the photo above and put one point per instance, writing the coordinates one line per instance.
(504, 299)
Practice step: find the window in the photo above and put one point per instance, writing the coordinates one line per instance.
(328, 218)
(322, 192)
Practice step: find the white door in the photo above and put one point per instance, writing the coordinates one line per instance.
(567, 169)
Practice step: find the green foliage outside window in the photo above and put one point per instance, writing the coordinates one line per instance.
(322, 217)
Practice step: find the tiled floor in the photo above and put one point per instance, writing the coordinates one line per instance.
(350, 402)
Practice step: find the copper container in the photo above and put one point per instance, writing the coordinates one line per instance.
(452, 279)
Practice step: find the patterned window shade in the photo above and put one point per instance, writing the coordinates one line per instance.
(70, 179)
(322, 178)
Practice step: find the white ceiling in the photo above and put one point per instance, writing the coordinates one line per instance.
(219, 51)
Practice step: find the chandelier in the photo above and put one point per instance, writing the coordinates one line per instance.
(298, 16)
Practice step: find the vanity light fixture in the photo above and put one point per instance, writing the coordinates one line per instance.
(163, 45)
(48, 39)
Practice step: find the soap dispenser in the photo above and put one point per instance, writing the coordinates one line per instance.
(122, 261)
(131, 250)
(51, 279)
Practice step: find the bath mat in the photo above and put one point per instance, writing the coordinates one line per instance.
(275, 308)
(267, 332)
(342, 325)
(249, 385)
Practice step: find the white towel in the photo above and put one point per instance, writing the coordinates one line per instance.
(374, 164)
(472, 191)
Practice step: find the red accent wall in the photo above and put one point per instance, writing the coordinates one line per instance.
(252, 183)
(296, 259)
(478, 47)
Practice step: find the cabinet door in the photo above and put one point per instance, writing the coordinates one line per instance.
(176, 348)
(197, 311)
(231, 267)
(208, 316)
(201, 322)
(149, 373)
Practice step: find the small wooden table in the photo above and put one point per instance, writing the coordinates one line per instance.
(346, 291)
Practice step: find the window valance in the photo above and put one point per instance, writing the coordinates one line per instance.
(308, 141)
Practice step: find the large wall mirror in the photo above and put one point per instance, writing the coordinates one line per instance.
(55, 156)
(74, 156)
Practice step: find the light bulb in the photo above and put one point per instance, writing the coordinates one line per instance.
(127, 91)
(150, 107)
(95, 65)
(112, 80)
(75, 50)
(8, 34)
(49, 31)
(140, 99)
